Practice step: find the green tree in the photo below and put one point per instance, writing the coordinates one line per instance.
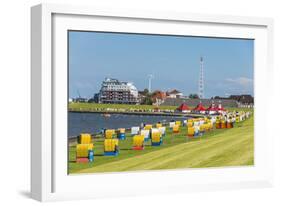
(193, 96)
(145, 92)
(147, 100)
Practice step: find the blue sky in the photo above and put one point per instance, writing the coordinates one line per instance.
(173, 60)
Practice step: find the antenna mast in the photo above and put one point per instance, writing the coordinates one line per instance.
(201, 79)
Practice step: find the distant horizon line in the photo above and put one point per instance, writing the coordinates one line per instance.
(141, 90)
(221, 97)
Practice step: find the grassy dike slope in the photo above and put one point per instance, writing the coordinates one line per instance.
(93, 106)
(232, 147)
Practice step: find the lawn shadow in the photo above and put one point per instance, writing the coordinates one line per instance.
(126, 149)
(99, 155)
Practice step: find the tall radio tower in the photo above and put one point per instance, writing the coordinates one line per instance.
(150, 77)
(201, 80)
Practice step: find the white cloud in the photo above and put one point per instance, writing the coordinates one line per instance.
(242, 81)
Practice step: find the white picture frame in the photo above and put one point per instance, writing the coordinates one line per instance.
(49, 178)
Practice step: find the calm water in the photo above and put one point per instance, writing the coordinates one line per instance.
(93, 123)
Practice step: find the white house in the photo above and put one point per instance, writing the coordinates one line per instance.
(174, 94)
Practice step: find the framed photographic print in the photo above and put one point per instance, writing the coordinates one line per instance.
(138, 102)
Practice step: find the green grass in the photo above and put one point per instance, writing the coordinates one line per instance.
(93, 106)
(239, 109)
(220, 147)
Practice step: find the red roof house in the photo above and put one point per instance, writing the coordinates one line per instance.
(220, 108)
(212, 107)
(183, 108)
(199, 108)
(159, 95)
